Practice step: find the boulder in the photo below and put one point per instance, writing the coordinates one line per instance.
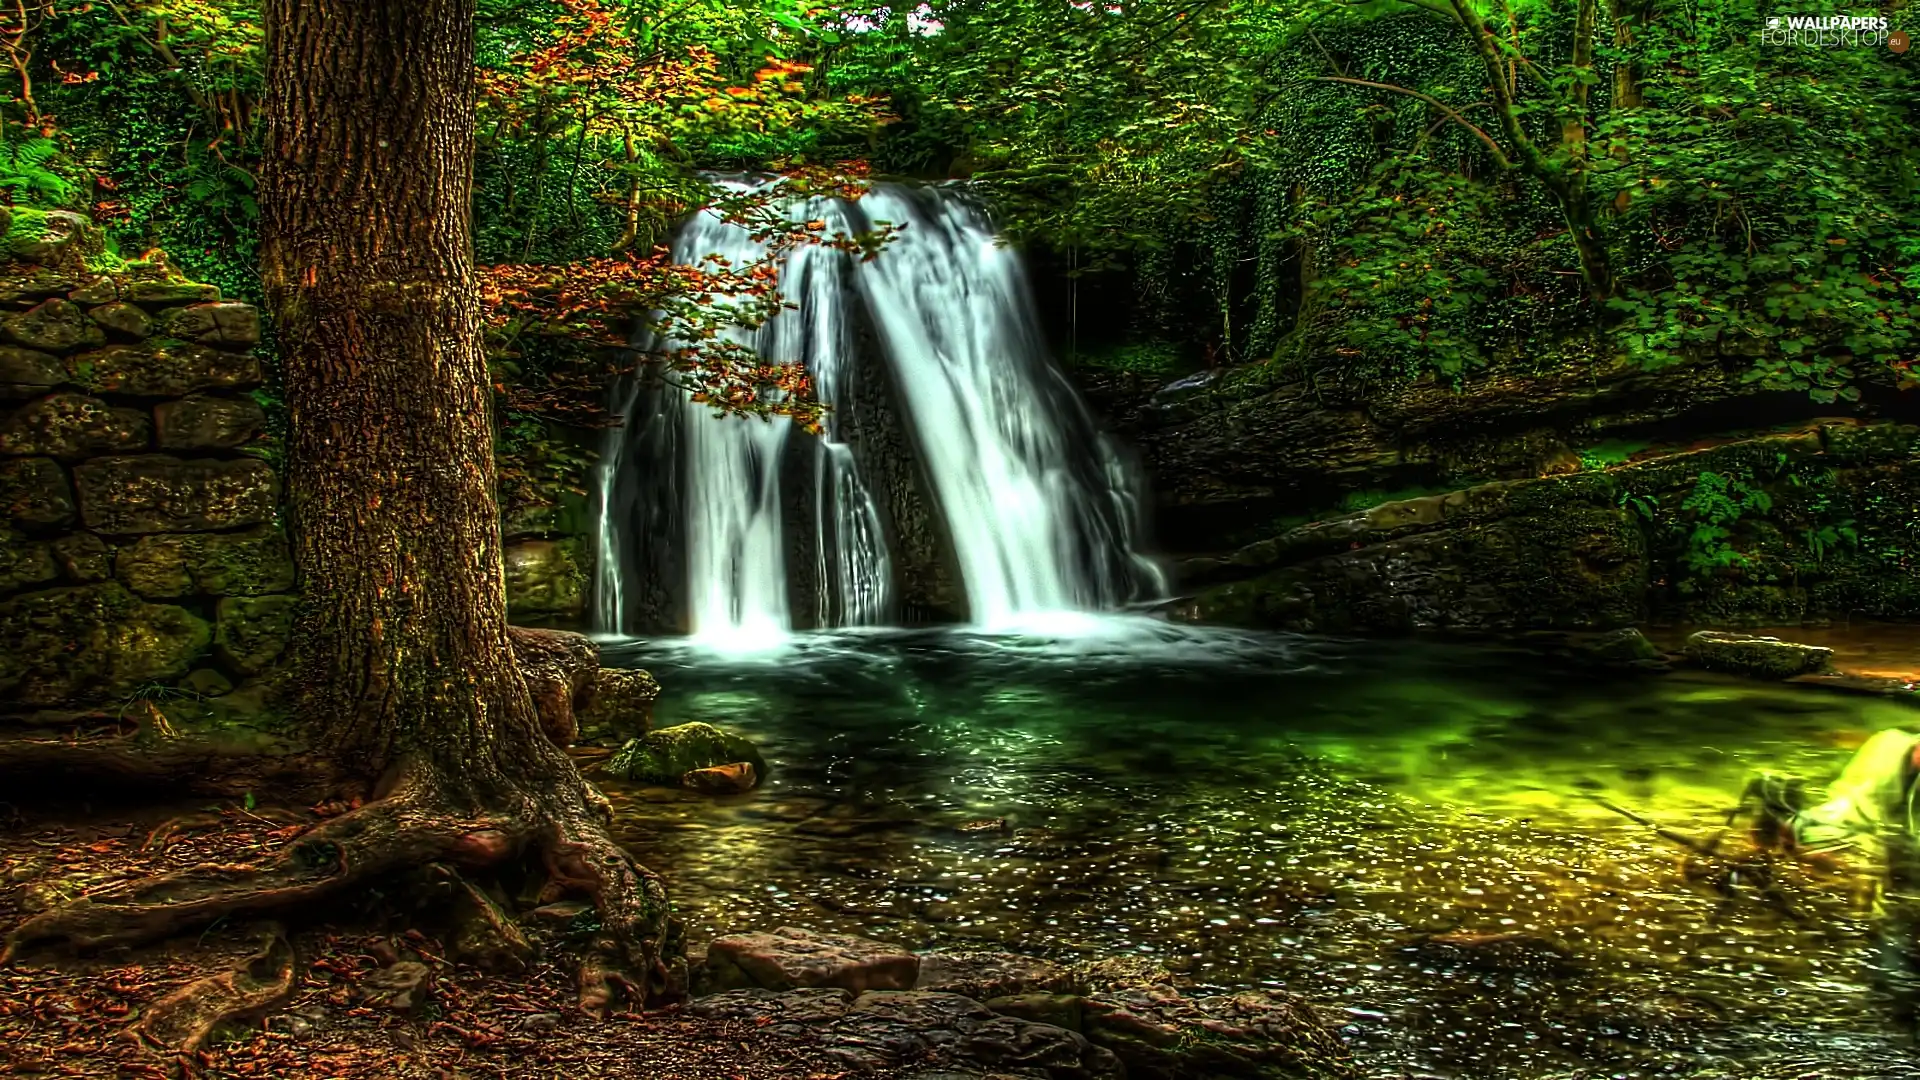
(1758, 657)
(227, 323)
(25, 373)
(618, 705)
(984, 975)
(84, 557)
(666, 755)
(92, 643)
(250, 563)
(27, 282)
(250, 632)
(207, 423)
(546, 581)
(104, 289)
(156, 493)
(51, 236)
(24, 563)
(734, 779)
(935, 1035)
(56, 325)
(124, 319)
(1258, 1035)
(791, 958)
(175, 291)
(34, 493)
(162, 367)
(73, 427)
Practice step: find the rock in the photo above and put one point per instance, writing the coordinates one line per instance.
(25, 373)
(1758, 657)
(162, 367)
(539, 1023)
(617, 705)
(250, 563)
(228, 323)
(546, 581)
(1060, 1010)
(104, 289)
(207, 682)
(1507, 951)
(557, 666)
(984, 975)
(483, 934)
(92, 643)
(1161, 1034)
(156, 493)
(84, 557)
(731, 779)
(124, 319)
(26, 282)
(55, 325)
(73, 427)
(250, 632)
(402, 986)
(207, 423)
(24, 563)
(170, 292)
(51, 236)
(559, 914)
(792, 958)
(664, 756)
(34, 493)
(936, 1035)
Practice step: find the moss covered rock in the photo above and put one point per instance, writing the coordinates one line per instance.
(56, 325)
(127, 320)
(26, 373)
(207, 423)
(162, 367)
(24, 563)
(666, 755)
(618, 705)
(250, 632)
(229, 323)
(73, 427)
(1758, 657)
(546, 581)
(34, 493)
(92, 643)
(84, 557)
(50, 236)
(156, 493)
(249, 563)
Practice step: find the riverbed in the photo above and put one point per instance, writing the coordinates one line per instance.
(1330, 817)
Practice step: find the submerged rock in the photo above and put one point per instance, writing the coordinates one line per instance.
(984, 975)
(792, 958)
(1759, 657)
(939, 1035)
(732, 779)
(667, 755)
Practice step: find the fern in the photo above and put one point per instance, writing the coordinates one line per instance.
(27, 170)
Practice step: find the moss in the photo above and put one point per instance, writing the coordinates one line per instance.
(664, 756)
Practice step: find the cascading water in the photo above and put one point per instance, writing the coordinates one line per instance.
(1037, 504)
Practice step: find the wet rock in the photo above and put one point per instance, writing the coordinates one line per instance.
(618, 705)
(792, 958)
(1060, 1010)
(732, 779)
(666, 755)
(53, 326)
(546, 581)
(250, 563)
(228, 323)
(163, 367)
(1758, 657)
(250, 632)
(403, 986)
(155, 493)
(207, 423)
(1515, 951)
(24, 563)
(84, 557)
(92, 642)
(983, 975)
(25, 373)
(936, 1034)
(1119, 973)
(1261, 1035)
(34, 493)
(73, 427)
(124, 319)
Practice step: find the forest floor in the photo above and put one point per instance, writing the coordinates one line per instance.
(71, 1017)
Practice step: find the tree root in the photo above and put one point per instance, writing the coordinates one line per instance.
(190, 764)
(182, 1020)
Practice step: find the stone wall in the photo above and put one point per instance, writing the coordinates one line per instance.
(142, 555)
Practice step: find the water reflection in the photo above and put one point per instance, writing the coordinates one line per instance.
(1332, 817)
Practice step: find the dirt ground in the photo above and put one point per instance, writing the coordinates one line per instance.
(71, 1016)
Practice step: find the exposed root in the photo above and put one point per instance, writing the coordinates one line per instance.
(182, 1020)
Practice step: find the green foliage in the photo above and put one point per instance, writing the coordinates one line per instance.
(1707, 517)
(1157, 358)
(1610, 453)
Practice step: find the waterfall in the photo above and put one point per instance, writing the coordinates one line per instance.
(1038, 506)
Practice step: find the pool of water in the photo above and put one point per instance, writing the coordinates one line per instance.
(1303, 813)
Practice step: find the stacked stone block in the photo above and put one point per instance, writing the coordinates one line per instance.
(141, 547)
